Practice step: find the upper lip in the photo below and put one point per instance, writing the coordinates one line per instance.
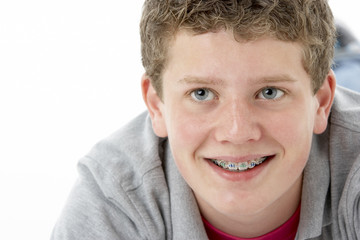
(237, 159)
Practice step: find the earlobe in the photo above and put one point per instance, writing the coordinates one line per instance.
(154, 106)
(325, 97)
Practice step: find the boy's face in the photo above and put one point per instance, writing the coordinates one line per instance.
(235, 104)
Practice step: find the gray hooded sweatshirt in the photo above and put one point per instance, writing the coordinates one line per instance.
(130, 188)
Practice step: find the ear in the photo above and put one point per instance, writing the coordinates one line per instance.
(325, 97)
(154, 106)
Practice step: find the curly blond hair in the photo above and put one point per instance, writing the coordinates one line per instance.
(308, 22)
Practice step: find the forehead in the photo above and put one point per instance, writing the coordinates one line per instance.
(220, 55)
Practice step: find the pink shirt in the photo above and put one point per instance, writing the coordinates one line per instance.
(286, 231)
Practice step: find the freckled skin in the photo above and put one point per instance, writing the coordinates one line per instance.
(237, 121)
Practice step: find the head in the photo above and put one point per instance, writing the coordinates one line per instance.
(308, 22)
(239, 88)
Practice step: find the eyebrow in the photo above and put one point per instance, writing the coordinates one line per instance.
(275, 79)
(217, 81)
(201, 80)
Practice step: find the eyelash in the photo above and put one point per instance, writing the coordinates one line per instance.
(284, 92)
(189, 94)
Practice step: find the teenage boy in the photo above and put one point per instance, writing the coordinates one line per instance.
(240, 140)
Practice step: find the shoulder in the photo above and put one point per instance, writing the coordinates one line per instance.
(128, 154)
(344, 157)
(343, 134)
(127, 166)
(349, 205)
(346, 109)
(122, 191)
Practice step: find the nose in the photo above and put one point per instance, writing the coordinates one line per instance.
(237, 124)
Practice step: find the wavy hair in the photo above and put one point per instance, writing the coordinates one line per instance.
(308, 22)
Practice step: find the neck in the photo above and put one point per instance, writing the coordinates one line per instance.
(260, 223)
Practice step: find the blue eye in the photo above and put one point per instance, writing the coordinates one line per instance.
(270, 93)
(202, 94)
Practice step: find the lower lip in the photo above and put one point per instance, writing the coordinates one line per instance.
(240, 176)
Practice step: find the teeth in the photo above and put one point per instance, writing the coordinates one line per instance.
(239, 167)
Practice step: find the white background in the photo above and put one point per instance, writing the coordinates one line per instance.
(69, 75)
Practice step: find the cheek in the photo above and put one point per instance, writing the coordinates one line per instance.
(186, 135)
(293, 127)
(295, 133)
(186, 130)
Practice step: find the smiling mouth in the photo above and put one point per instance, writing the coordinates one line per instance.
(241, 166)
